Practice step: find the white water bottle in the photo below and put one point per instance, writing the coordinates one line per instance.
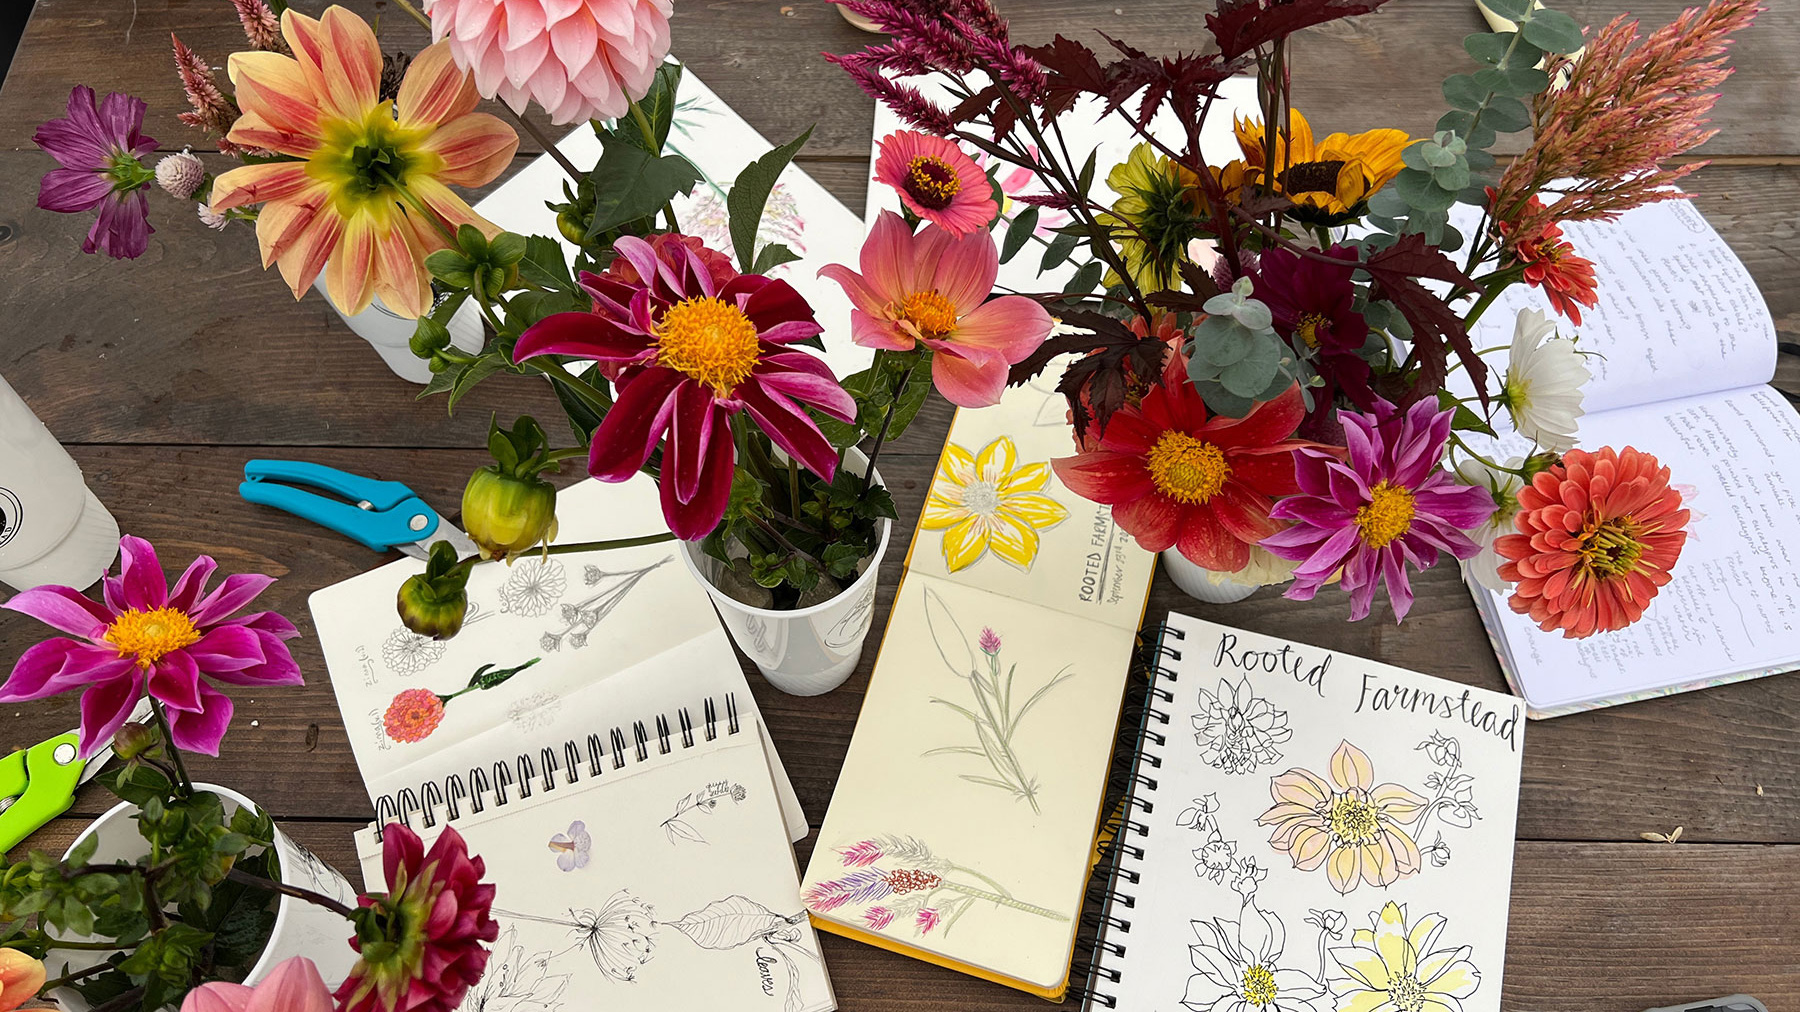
(52, 529)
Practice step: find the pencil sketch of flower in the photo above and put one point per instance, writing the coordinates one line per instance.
(1349, 824)
(407, 653)
(516, 981)
(991, 712)
(989, 502)
(1238, 964)
(1238, 730)
(535, 586)
(1394, 966)
(535, 711)
(580, 618)
(705, 800)
(897, 879)
(572, 848)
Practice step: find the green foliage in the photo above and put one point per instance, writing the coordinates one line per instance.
(1019, 233)
(750, 194)
(658, 107)
(631, 183)
(1236, 358)
(901, 379)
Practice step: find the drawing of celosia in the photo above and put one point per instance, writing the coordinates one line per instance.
(898, 878)
(993, 712)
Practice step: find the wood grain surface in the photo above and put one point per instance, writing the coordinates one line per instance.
(165, 374)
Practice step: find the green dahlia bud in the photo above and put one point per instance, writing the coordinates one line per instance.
(434, 602)
(507, 506)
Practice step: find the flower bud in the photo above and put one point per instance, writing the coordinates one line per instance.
(429, 337)
(133, 740)
(434, 602)
(507, 506)
(212, 219)
(180, 175)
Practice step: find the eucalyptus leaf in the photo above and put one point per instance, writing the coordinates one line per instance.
(1462, 92)
(1058, 251)
(1248, 376)
(1418, 189)
(1553, 32)
(1511, 10)
(1507, 115)
(1019, 233)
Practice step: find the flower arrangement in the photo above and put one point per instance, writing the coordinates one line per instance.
(183, 924)
(1265, 347)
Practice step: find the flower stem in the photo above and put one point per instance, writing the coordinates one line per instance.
(245, 878)
(417, 14)
(546, 143)
(886, 420)
(168, 736)
(73, 976)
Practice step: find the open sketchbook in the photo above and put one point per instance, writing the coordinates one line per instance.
(642, 869)
(1309, 830)
(963, 820)
(1683, 350)
(604, 635)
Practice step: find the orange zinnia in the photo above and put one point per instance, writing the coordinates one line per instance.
(1598, 535)
(365, 189)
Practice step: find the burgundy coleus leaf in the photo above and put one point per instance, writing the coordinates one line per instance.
(1073, 71)
(1113, 361)
(1185, 80)
(1240, 26)
(1395, 272)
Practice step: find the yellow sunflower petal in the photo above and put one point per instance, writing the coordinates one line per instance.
(1015, 542)
(1038, 510)
(996, 460)
(964, 543)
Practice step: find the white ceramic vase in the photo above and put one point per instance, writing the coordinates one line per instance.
(301, 928)
(390, 334)
(806, 651)
(1195, 582)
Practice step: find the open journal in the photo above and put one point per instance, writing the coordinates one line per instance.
(641, 868)
(1683, 352)
(1309, 830)
(551, 647)
(962, 826)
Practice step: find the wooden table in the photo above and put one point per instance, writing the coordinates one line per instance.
(164, 375)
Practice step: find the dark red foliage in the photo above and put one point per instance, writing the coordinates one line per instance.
(1240, 26)
(1436, 327)
(1186, 80)
(1112, 356)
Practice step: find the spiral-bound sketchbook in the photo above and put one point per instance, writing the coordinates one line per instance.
(1306, 829)
(637, 868)
(551, 647)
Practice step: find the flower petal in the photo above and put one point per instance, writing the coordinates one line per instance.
(637, 420)
(1012, 325)
(143, 583)
(201, 730)
(1351, 769)
(232, 594)
(105, 707)
(57, 665)
(435, 91)
(475, 148)
(63, 609)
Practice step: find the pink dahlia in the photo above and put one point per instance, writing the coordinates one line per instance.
(692, 354)
(578, 59)
(1389, 505)
(150, 637)
(421, 941)
(937, 181)
(932, 289)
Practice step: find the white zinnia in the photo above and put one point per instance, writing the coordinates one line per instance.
(1542, 389)
(1504, 487)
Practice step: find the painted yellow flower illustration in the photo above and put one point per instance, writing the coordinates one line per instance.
(1394, 968)
(989, 502)
(1349, 824)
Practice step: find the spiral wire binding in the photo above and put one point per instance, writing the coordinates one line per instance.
(503, 781)
(1106, 910)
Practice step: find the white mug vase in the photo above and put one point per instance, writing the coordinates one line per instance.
(390, 334)
(301, 928)
(52, 528)
(803, 651)
(1195, 582)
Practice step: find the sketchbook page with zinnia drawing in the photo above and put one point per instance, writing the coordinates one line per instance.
(654, 877)
(963, 821)
(1681, 348)
(1315, 831)
(551, 648)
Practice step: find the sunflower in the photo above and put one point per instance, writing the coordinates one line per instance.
(989, 502)
(1330, 180)
(1157, 214)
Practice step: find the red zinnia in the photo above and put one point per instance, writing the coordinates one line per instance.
(693, 353)
(1598, 535)
(1551, 264)
(937, 181)
(1176, 476)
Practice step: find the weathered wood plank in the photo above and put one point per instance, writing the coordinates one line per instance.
(1594, 928)
(1694, 760)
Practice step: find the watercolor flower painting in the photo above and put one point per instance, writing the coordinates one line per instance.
(1395, 967)
(989, 502)
(1349, 824)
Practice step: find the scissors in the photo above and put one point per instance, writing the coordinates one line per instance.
(379, 514)
(38, 784)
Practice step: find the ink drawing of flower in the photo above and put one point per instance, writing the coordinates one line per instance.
(1395, 966)
(1238, 730)
(1348, 824)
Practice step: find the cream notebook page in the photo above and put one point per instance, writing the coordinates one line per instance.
(1325, 833)
(664, 885)
(966, 807)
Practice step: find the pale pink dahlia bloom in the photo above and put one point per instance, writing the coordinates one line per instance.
(578, 59)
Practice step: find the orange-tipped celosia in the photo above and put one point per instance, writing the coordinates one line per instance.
(368, 198)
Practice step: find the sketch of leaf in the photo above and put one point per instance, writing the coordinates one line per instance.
(731, 922)
(680, 830)
(1039, 694)
(952, 645)
(955, 749)
(989, 781)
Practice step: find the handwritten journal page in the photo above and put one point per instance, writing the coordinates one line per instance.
(1325, 832)
(666, 885)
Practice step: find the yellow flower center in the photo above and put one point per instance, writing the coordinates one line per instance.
(932, 182)
(1388, 515)
(1308, 328)
(709, 340)
(930, 312)
(1406, 993)
(1611, 548)
(1259, 985)
(367, 161)
(1353, 819)
(1186, 469)
(151, 634)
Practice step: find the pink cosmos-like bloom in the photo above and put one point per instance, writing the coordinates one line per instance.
(293, 986)
(693, 353)
(1389, 505)
(578, 59)
(150, 637)
(98, 148)
(422, 949)
(936, 181)
(929, 289)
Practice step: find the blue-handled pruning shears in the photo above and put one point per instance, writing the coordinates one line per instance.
(38, 784)
(379, 514)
